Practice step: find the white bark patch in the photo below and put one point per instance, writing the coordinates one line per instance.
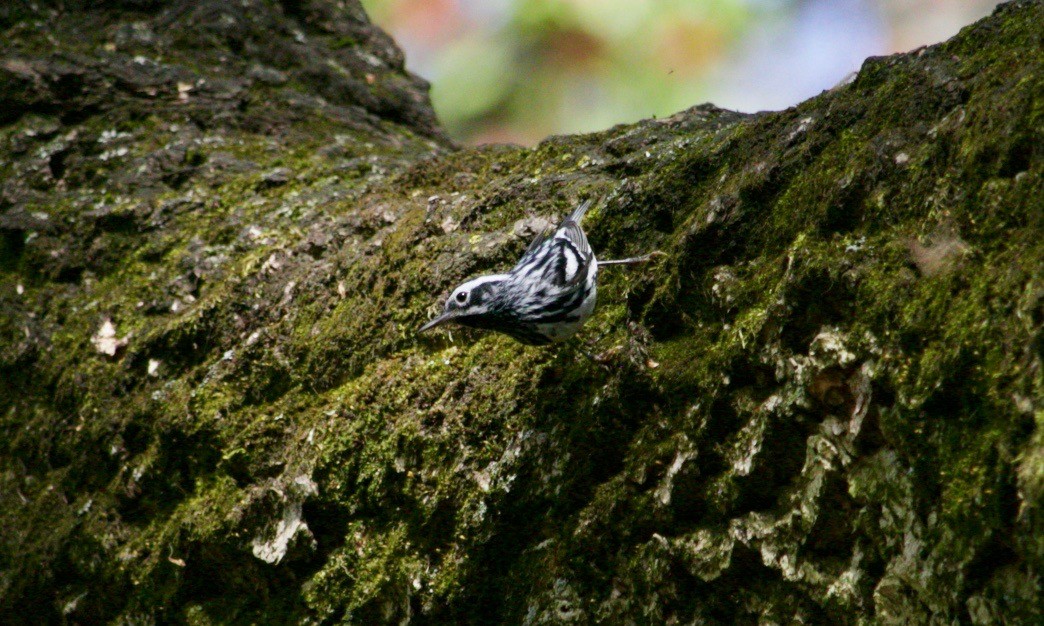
(663, 492)
(106, 342)
(272, 549)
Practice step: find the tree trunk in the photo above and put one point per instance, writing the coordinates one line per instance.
(222, 222)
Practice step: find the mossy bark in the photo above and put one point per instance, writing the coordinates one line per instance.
(222, 223)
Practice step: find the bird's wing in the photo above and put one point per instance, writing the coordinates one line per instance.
(576, 254)
(570, 229)
(581, 210)
(563, 251)
(571, 263)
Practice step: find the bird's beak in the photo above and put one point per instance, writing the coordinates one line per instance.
(438, 321)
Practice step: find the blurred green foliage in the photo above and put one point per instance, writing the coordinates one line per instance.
(519, 70)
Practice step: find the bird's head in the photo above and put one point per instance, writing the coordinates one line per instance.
(471, 303)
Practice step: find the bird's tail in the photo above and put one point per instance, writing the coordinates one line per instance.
(578, 214)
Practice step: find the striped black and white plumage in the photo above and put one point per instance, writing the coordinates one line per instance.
(546, 297)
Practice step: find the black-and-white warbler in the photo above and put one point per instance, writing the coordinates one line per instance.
(546, 297)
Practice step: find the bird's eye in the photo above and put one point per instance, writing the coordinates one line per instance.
(462, 297)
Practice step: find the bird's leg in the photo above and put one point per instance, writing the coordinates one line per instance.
(632, 260)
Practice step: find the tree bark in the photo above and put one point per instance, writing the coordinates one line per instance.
(222, 222)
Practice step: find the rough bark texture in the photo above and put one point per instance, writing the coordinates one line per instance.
(222, 221)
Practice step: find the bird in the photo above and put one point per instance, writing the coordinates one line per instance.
(545, 298)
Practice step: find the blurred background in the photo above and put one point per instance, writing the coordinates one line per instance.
(520, 70)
